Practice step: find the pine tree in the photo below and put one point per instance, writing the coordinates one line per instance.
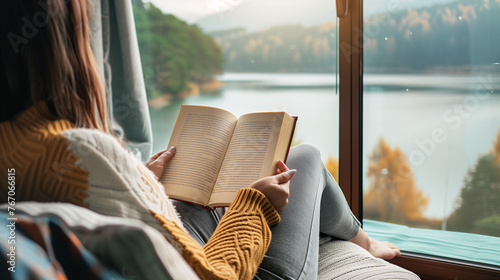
(478, 207)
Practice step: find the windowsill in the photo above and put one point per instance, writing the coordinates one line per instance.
(447, 244)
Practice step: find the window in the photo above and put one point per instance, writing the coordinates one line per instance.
(239, 56)
(431, 127)
(393, 97)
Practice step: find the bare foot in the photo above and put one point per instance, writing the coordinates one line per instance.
(383, 249)
(379, 249)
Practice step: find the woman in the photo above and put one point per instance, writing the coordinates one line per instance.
(56, 134)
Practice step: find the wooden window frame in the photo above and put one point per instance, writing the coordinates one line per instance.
(350, 70)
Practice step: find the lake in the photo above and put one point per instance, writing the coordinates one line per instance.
(439, 122)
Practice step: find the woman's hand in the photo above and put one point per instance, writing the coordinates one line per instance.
(276, 188)
(157, 161)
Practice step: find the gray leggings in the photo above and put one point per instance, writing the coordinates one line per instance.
(316, 205)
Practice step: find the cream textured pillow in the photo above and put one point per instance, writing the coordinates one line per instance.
(340, 259)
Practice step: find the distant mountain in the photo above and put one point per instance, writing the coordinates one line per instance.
(260, 14)
(256, 15)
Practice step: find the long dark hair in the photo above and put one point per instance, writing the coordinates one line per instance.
(46, 56)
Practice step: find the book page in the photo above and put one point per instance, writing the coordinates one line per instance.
(201, 136)
(250, 156)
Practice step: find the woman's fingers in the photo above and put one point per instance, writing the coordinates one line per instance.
(166, 156)
(284, 177)
(155, 156)
(276, 188)
(156, 162)
(282, 167)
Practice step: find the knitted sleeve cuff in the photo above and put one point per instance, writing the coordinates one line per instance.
(252, 200)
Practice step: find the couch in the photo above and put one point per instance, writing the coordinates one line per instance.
(121, 248)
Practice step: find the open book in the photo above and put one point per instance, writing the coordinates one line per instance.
(218, 153)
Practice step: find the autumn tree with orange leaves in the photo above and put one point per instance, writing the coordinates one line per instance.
(393, 195)
(332, 164)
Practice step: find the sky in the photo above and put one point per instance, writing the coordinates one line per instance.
(193, 10)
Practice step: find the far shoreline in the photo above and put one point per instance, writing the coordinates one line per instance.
(194, 89)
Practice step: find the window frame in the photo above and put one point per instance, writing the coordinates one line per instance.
(350, 71)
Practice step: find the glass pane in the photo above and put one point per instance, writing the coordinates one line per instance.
(240, 56)
(431, 144)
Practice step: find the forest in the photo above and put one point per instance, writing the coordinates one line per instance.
(291, 48)
(442, 37)
(174, 54)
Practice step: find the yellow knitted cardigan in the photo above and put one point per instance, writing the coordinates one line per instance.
(53, 161)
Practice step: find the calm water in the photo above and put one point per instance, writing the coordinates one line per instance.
(396, 107)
